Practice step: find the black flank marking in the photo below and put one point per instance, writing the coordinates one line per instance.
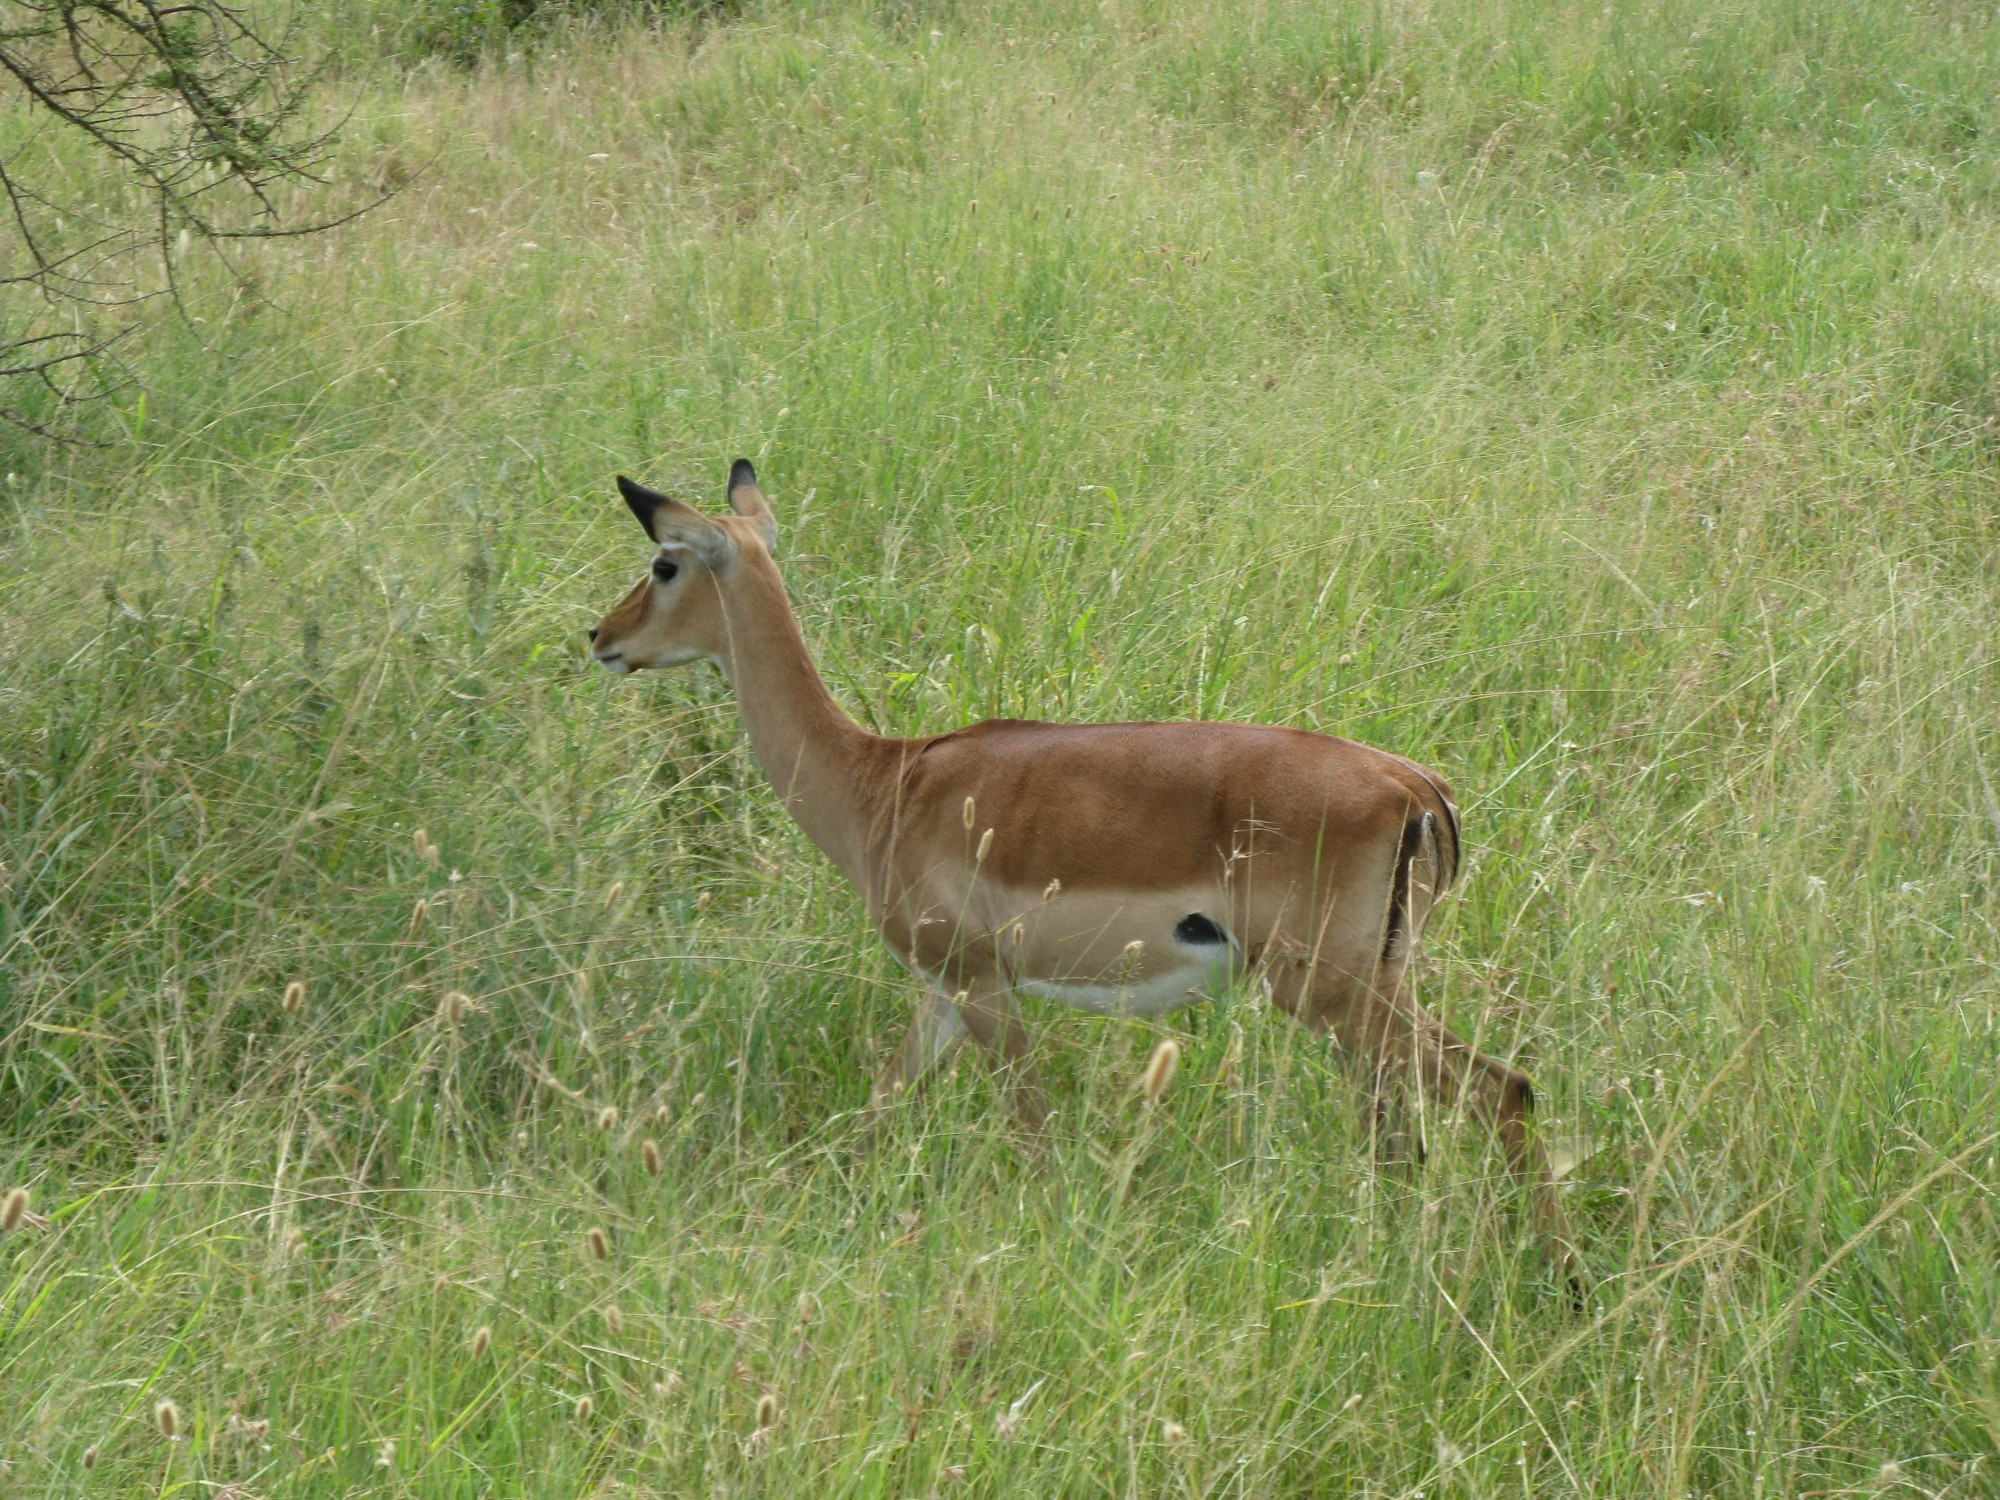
(1197, 931)
(1399, 893)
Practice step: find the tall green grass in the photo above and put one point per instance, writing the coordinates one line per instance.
(1597, 406)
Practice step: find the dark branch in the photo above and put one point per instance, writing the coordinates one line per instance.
(202, 111)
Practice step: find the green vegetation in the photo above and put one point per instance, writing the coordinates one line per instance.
(1596, 404)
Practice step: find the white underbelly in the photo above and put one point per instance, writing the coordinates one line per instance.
(1155, 995)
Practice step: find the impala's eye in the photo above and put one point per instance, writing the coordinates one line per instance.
(664, 569)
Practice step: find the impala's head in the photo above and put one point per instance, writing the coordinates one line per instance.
(675, 613)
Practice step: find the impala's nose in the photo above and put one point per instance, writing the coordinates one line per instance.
(593, 632)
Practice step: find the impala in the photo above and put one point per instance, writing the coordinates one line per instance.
(1126, 869)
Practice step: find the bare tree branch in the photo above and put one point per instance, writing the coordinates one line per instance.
(206, 116)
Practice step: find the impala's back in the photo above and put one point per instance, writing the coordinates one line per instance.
(1198, 843)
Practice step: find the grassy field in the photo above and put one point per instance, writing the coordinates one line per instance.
(1598, 404)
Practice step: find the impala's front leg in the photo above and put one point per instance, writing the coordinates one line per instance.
(994, 1019)
(935, 1033)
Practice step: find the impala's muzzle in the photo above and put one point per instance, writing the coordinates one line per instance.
(607, 655)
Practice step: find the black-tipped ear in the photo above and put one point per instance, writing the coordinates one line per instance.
(748, 501)
(645, 503)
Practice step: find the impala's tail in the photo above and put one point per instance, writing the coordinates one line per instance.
(1426, 866)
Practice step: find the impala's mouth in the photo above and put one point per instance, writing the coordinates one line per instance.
(614, 660)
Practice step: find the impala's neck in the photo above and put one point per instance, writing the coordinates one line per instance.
(817, 758)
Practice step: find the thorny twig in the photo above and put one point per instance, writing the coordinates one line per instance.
(205, 115)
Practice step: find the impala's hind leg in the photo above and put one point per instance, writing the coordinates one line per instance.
(1399, 1045)
(935, 1033)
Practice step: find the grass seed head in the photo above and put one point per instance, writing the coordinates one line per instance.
(1052, 890)
(607, 1118)
(426, 850)
(482, 1340)
(701, 902)
(1173, 1432)
(451, 1009)
(662, 1117)
(295, 997)
(985, 843)
(1160, 1068)
(971, 812)
(167, 1417)
(611, 896)
(417, 915)
(584, 1407)
(90, 1457)
(1890, 1473)
(13, 1209)
(598, 1243)
(649, 1157)
(767, 1412)
(614, 1320)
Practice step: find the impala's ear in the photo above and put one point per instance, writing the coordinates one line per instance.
(673, 523)
(748, 501)
(646, 504)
